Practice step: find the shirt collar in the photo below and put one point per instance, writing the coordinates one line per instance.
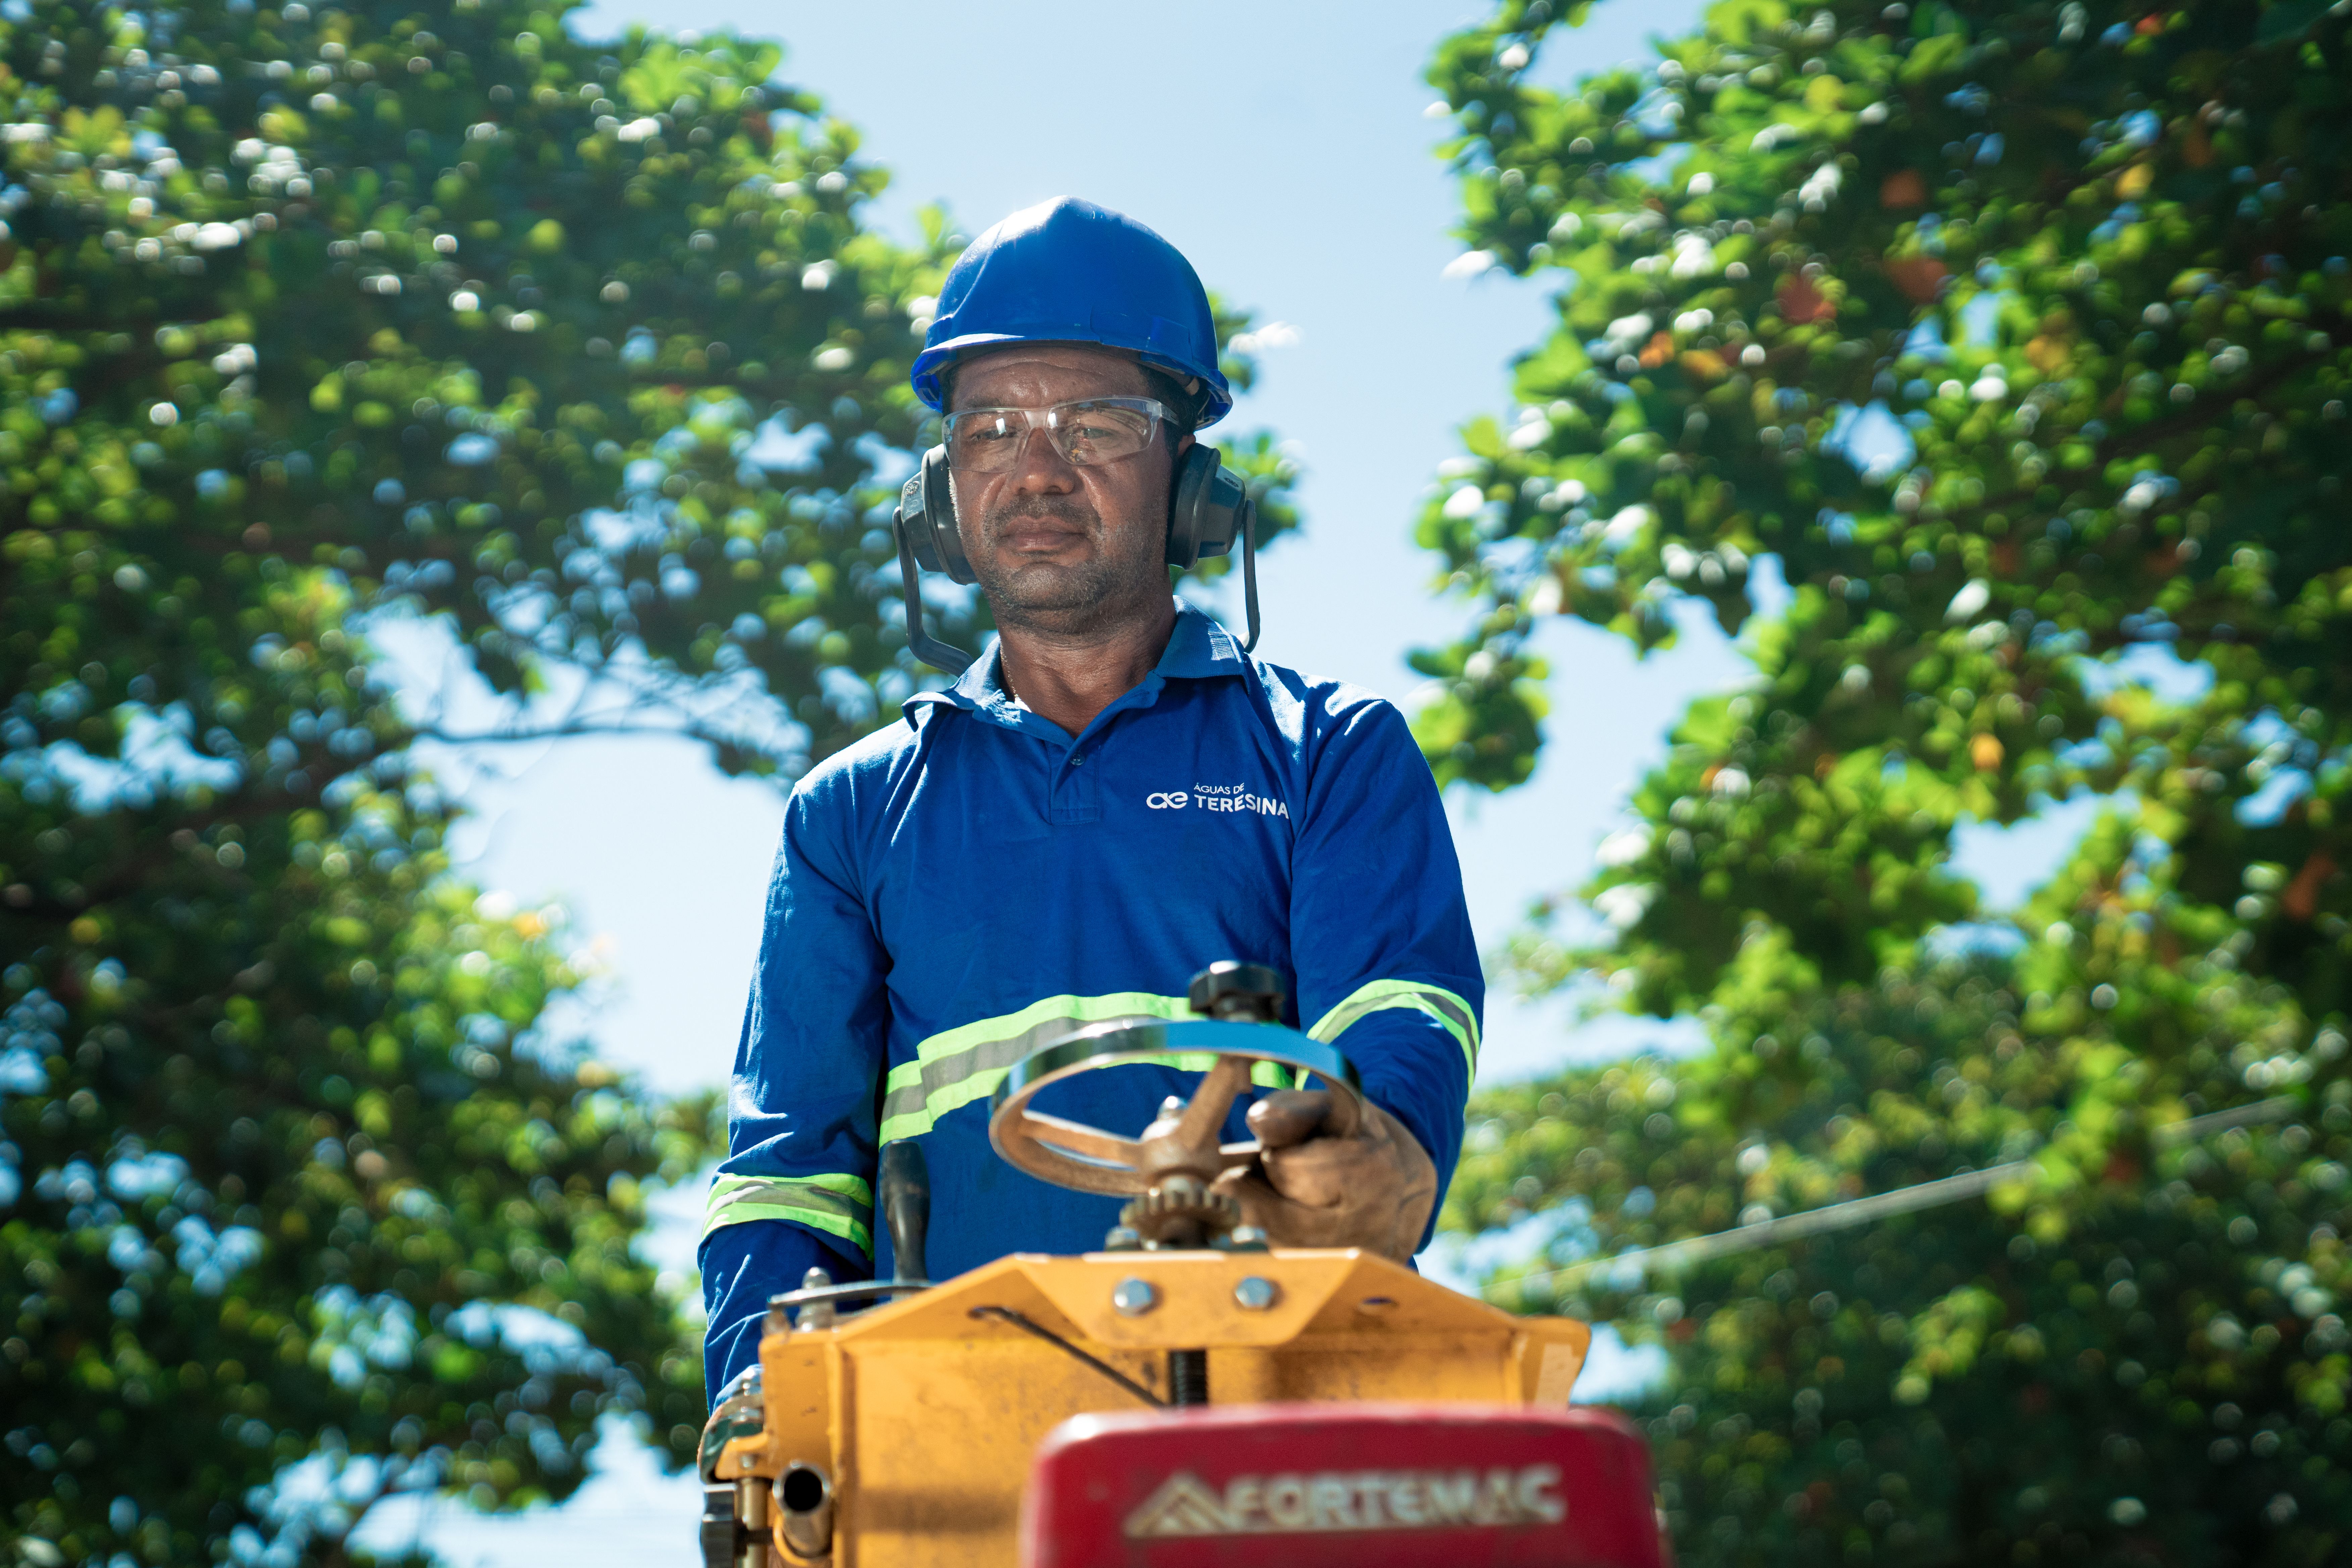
(1198, 648)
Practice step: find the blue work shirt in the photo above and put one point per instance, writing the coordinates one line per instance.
(971, 882)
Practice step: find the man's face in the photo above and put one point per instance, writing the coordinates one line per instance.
(1060, 548)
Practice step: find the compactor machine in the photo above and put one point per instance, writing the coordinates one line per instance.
(1187, 1396)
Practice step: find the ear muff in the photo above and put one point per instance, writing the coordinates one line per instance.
(927, 538)
(1211, 509)
(1206, 516)
(926, 515)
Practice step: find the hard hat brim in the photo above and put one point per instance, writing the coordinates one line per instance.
(931, 366)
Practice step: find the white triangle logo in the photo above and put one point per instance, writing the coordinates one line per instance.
(1181, 1506)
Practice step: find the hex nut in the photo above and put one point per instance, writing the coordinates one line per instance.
(1255, 1294)
(1133, 1297)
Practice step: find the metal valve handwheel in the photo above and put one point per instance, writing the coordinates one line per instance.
(1183, 1142)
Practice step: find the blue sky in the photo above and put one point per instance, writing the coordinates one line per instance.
(1285, 148)
(1288, 153)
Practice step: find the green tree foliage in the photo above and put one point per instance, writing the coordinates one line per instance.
(2015, 335)
(310, 318)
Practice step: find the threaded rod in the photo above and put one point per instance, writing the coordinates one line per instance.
(1188, 1377)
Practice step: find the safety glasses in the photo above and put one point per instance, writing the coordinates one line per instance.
(1088, 433)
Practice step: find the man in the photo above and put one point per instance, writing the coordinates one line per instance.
(1052, 842)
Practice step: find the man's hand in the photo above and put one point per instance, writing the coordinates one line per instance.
(1330, 1177)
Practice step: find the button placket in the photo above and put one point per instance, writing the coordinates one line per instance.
(1074, 782)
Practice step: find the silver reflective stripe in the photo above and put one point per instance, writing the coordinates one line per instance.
(961, 1065)
(912, 1096)
(840, 1205)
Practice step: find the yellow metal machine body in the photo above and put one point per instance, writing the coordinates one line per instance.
(902, 1435)
(921, 1416)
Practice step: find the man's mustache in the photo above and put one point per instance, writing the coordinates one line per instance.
(1042, 508)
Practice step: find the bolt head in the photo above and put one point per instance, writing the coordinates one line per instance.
(1246, 1238)
(1255, 1295)
(1133, 1297)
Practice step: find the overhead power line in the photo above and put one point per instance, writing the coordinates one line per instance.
(1878, 1205)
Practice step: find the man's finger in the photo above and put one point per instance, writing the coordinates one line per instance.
(1321, 1173)
(1346, 1117)
(1297, 1207)
(1289, 1116)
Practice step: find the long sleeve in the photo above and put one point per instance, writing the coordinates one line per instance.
(796, 1189)
(1387, 964)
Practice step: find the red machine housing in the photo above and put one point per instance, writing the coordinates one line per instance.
(1343, 1486)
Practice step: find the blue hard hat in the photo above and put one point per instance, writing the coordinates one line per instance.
(1068, 271)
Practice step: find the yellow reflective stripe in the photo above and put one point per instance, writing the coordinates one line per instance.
(1273, 1075)
(1461, 1020)
(840, 1205)
(1076, 1011)
(961, 1065)
(965, 1064)
(855, 1189)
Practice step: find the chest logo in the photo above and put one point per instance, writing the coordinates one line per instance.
(1217, 798)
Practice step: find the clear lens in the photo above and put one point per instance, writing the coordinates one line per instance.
(986, 438)
(1087, 433)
